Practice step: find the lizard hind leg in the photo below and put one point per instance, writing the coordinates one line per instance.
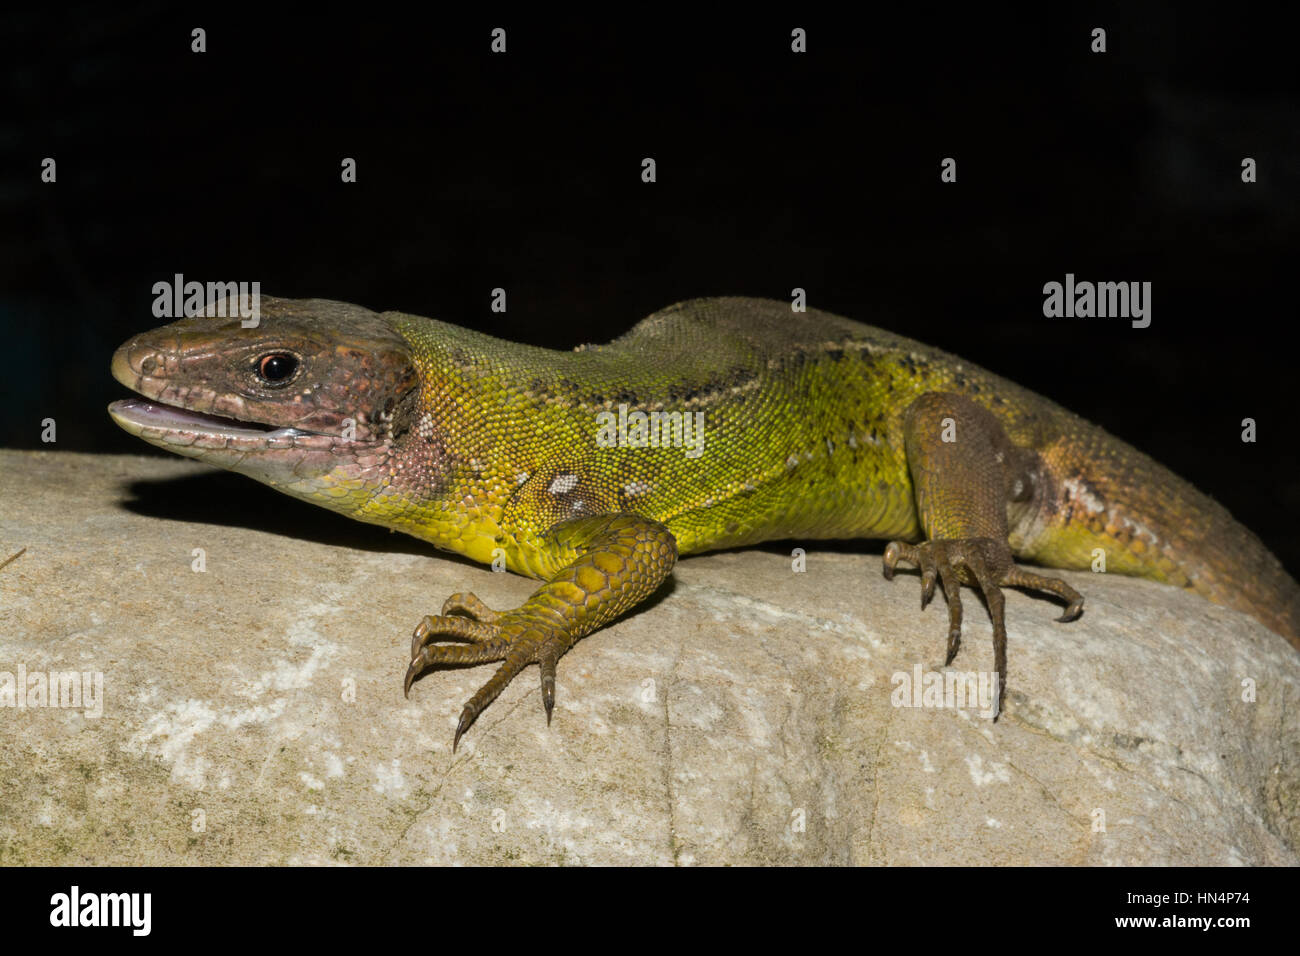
(965, 471)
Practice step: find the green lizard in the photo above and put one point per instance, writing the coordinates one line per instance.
(772, 424)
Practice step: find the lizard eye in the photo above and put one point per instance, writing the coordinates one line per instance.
(277, 368)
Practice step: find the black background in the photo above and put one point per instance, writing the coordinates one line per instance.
(775, 170)
(329, 907)
(241, 907)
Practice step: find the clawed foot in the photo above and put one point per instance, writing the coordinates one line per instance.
(984, 563)
(484, 636)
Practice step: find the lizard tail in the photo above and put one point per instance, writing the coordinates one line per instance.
(1156, 525)
(1229, 565)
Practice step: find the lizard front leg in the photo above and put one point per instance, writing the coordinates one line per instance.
(614, 562)
(965, 471)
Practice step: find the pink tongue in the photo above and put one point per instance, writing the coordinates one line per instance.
(156, 415)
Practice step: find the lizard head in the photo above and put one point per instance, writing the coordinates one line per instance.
(312, 400)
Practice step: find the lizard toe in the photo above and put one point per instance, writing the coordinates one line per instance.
(1020, 578)
(461, 629)
(437, 656)
(467, 602)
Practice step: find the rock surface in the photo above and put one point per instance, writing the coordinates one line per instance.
(253, 712)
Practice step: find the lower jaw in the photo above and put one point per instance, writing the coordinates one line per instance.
(314, 466)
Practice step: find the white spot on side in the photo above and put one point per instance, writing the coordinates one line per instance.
(792, 461)
(1140, 531)
(1076, 492)
(563, 484)
(1094, 505)
(638, 487)
(521, 477)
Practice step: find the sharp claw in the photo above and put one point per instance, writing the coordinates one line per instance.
(466, 718)
(954, 642)
(927, 588)
(411, 673)
(1072, 612)
(418, 635)
(891, 559)
(548, 696)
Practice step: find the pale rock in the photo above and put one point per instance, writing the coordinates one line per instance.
(253, 712)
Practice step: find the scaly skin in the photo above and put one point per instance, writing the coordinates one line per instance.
(814, 427)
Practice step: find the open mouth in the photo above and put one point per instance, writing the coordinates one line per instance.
(172, 425)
